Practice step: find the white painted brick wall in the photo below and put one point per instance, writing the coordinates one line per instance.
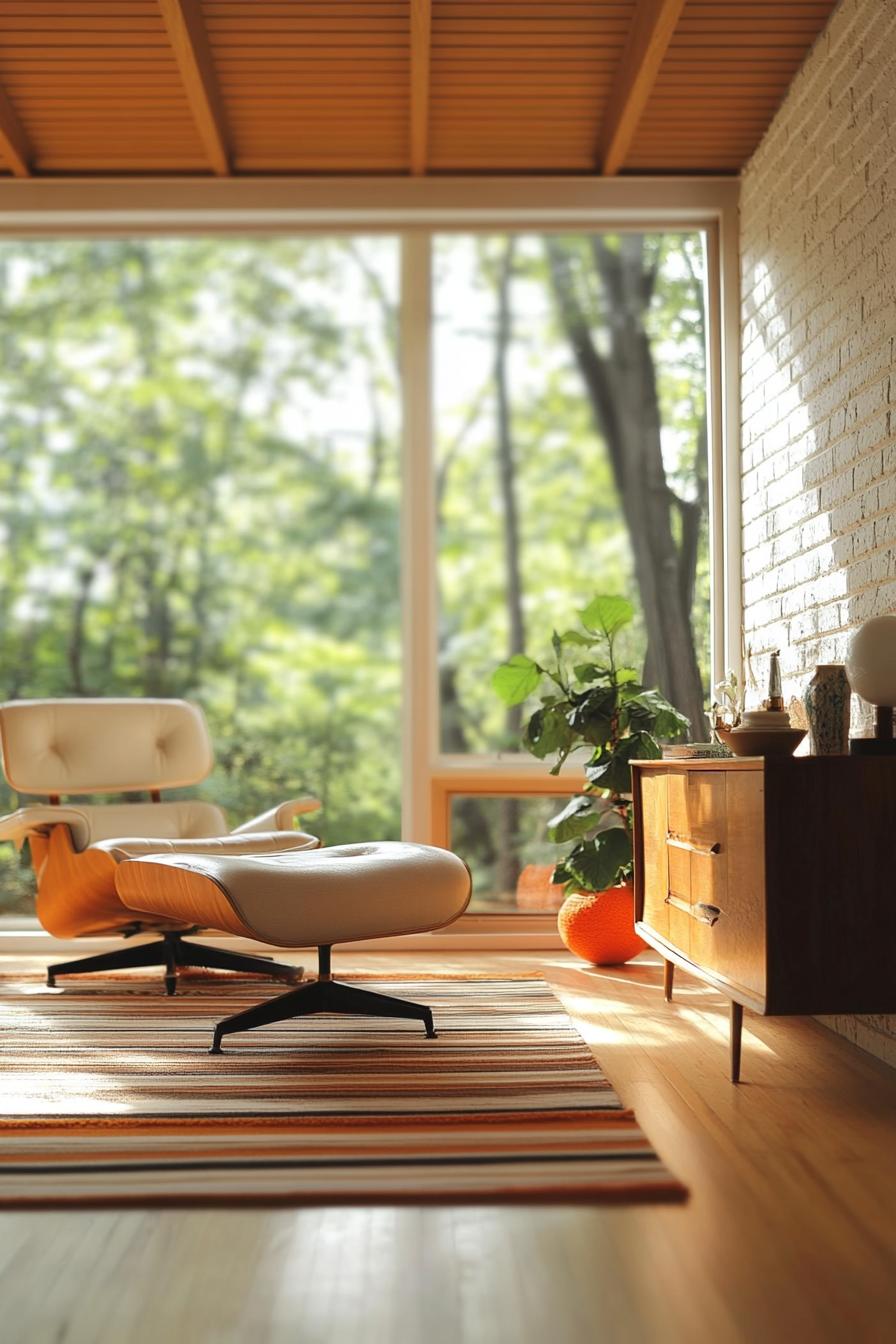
(818, 277)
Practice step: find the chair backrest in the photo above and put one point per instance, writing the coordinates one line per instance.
(60, 747)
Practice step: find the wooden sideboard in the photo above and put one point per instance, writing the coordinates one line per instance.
(774, 880)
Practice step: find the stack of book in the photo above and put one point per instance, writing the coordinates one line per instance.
(696, 751)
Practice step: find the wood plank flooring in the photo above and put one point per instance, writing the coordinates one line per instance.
(789, 1235)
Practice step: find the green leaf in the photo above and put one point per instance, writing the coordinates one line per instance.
(649, 712)
(600, 863)
(592, 715)
(560, 873)
(627, 676)
(574, 637)
(612, 772)
(590, 672)
(576, 819)
(516, 679)
(608, 614)
(548, 731)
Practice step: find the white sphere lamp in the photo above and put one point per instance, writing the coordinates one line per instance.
(871, 670)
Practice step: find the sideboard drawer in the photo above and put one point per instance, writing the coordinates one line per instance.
(667, 871)
(656, 863)
(735, 945)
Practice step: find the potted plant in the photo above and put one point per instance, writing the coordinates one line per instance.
(589, 700)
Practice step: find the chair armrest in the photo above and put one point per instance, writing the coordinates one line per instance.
(17, 826)
(280, 818)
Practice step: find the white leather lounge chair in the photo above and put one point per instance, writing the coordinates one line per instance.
(55, 749)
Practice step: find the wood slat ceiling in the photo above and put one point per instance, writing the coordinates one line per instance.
(115, 87)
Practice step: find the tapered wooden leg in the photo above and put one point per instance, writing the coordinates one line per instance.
(668, 977)
(737, 1022)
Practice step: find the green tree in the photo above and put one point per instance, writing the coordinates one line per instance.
(199, 498)
(572, 455)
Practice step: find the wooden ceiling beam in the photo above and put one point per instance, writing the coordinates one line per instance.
(14, 146)
(189, 42)
(651, 32)
(421, 44)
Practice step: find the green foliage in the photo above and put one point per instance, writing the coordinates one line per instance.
(648, 711)
(549, 732)
(199, 490)
(600, 706)
(516, 679)
(598, 863)
(608, 615)
(570, 521)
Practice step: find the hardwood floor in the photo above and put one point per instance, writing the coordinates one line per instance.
(789, 1235)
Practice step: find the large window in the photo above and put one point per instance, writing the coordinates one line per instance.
(571, 458)
(201, 495)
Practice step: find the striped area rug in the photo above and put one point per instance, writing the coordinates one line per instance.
(109, 1096)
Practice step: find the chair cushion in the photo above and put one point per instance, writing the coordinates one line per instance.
(307, 898)
(103, 746)
(258, 842)
(93, 822)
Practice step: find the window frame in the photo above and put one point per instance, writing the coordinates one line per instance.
(430, 776)
(415, 210)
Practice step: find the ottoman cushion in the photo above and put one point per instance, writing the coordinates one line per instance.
(248, 842)
(303, 898)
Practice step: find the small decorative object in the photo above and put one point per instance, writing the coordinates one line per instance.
(728, 704)
(593, 702)
(765, 731)
(871, 669)
(597, 925)
(762, 741)
(827, 710)
(774, 701)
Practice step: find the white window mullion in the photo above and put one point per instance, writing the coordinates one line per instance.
(715, 403)
(729, 580)
(418, 548)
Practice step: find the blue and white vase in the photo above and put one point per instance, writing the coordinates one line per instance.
(827, 701)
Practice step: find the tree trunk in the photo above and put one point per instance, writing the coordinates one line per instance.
(76, 633)
(622, 391)
(157, 628)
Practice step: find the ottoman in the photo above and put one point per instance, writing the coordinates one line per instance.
(306, 898)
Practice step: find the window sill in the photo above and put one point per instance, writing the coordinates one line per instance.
(473, 933)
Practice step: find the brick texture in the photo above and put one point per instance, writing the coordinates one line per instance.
(818, 285)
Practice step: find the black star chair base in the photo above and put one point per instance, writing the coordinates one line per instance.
(323, 995)
(174, 952)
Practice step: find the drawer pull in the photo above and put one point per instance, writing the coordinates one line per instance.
(692, 847)
(701, 911)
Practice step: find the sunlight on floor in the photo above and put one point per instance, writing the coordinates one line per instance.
(85, 1094)
(696, 1011)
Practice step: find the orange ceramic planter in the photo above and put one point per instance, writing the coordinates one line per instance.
(600, 926)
